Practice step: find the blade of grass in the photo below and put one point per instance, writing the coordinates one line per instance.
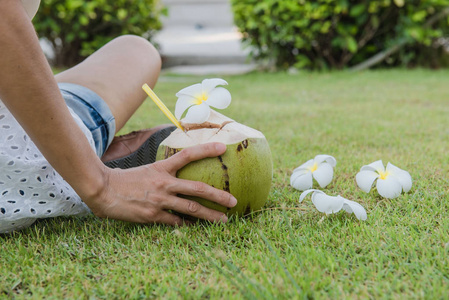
(278, 260)
(240, 286)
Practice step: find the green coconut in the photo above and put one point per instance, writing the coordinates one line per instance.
(244, 170)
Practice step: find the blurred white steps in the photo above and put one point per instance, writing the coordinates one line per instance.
(200, 35)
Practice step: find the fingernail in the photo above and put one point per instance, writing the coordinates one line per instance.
(220, 147)
(233, 201)
(224, 218)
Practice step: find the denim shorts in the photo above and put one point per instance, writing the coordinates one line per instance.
(93, 111)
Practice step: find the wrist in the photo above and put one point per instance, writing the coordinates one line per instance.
(92, 185)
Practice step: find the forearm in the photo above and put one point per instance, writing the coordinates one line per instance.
(28, 89)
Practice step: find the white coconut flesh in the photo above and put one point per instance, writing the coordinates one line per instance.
(218, 128)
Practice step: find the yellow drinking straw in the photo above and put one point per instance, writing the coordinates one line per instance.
(161, 105)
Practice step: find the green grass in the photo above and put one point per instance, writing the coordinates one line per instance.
(290, 250)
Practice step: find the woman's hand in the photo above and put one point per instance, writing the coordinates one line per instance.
(146, 194)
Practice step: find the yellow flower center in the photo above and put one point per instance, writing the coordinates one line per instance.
(313, 168)
(383, 175)
(200, 99)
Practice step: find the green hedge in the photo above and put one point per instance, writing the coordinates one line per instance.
(323, 34)
(76, 28)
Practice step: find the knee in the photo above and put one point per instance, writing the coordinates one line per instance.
(140, 49)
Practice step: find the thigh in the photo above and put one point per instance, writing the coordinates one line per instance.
(116, 72)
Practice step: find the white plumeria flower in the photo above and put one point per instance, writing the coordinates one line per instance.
(199, 97)
(321, 168)
(390, 181)
(330, 204)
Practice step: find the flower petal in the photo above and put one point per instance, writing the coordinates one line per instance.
(323, 174)
(354, 207)
(306, 192)
(219, 98)
(193, 91)
(182, 104)
(197, 114)
(327, 158)
(327, 204)
(209, 84)
(403, 176)
(375, 166)
(297, 174)
(305, 165)
(365, 179)
(330, 204)
(301, 181)
(389, 188)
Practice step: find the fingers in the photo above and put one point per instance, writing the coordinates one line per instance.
(197, 152)
(194, 209)
(196, 188)
(205, 191)
(170, 219)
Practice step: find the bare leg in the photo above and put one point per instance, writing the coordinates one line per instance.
(116, 72)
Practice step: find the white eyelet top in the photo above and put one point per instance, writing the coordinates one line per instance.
(29, 186)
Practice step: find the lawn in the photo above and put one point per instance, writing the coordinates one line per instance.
(289, 250)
